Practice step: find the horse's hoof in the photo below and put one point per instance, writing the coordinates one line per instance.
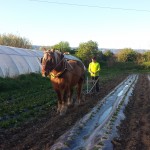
(62, 114)
(77, 104)
(57, 112)
(63, 111)
(69, 104)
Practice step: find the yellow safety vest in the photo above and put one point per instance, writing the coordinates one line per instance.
(94, 69)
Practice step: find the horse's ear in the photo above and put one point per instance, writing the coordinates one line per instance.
(44, 49)
(52, 50)
(62, 55)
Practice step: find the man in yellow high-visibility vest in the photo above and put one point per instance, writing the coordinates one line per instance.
(94, 69)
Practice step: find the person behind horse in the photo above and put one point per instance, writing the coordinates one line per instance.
(94, 69)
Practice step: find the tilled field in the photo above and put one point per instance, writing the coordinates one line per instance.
(134, 131)
(42, 134)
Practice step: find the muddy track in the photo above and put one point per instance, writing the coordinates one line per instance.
(134, 131)
(43, 133)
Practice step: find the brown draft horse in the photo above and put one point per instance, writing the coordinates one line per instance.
(64, 75)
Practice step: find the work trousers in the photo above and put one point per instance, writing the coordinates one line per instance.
(97, 83)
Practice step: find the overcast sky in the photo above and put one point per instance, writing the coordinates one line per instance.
(110, 23)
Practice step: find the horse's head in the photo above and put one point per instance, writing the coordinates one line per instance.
(49, 61)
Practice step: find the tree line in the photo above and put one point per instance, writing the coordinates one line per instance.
(85, 51)
(15, 41)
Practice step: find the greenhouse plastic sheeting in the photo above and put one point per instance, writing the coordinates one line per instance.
(15, 61)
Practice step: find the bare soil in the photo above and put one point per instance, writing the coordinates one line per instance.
(134, 131)
(40, 135)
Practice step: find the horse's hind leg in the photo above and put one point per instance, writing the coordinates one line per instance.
(79, 88)
(70, 93)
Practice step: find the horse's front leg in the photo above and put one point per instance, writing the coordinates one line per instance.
(70, 93)
(64, 106)
(59, 101)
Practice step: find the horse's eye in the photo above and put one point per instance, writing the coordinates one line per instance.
(51, 60)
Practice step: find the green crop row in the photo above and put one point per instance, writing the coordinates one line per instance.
(24, 98)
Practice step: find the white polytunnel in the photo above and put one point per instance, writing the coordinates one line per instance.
(16, 61)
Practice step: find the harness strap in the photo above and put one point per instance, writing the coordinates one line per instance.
(58, 74)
